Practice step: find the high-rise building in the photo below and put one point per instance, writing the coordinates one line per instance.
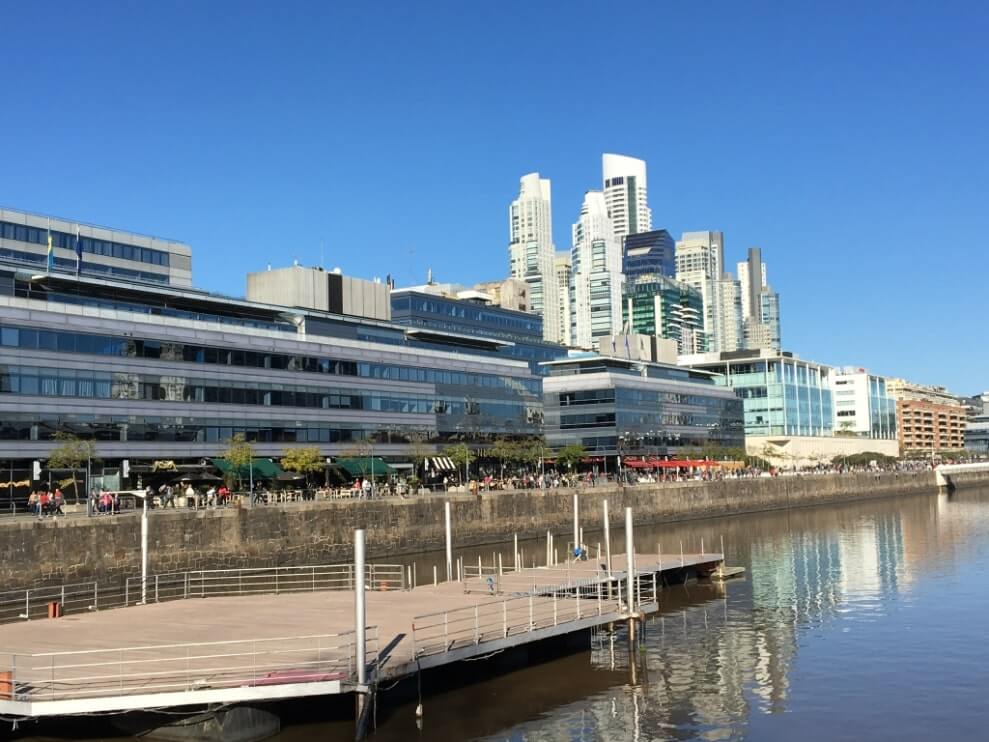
(625, 195)
(648, 253)
(564, 280)
(862, 406)
(699, 262)
(664, 307)
(760, 305)
(596, 306)
(531, 251)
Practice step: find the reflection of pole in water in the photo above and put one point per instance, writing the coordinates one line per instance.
(636, 722)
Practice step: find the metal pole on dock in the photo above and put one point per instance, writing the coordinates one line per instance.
(630, 558)
(360, 616)
(449, 541)
(144, 551)
(607, 537)
(515, 554)
(576, 522)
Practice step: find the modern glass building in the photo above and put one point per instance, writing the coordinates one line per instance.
(168, 373)
(656, 305)
(783, 394)
(861, 405)
(507, 332)
(615, 407)
(648, 253)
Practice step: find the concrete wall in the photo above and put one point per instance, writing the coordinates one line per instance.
(76, 549)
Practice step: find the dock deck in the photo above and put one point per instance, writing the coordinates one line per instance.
(268, 646)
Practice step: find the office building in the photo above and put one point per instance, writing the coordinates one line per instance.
(437, 311)
(929, 419)
(164, 373)
(666, 308)
(648, 253)
(508, 293)
(596, 308)
(862, 407)
(977, 427)
(625, 195)
(699, 262)
(564, 281)
(326, 291)
(760, 305)
(531, 252)
(100, 252)
(617, 406)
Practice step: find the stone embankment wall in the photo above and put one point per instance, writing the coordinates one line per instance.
(73, 549)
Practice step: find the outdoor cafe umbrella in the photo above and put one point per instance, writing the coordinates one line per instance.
(203, 477)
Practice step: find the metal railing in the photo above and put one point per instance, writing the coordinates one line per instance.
(261, 580)
(443, 631)
(164, 668)
(31, 603)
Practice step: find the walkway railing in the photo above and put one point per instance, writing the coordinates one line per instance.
(32, 603)
(164, 668)
(443, 631)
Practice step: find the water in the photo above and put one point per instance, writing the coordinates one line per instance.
(852, 621)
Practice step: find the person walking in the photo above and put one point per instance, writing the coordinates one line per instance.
(57, 500)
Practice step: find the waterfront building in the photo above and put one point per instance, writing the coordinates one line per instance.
(469, 315)
(531, 254)
(564, 281)
(155, 373)
(620, 406)
(596, 306)
(862, 407)
(648, 253)
(699, 262)
(654, 304)
(100, 252)
(929, 419)
(625, 195)
(760, 305)
(977, 428)
(315, 288)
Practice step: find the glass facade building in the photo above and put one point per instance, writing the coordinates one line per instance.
(653, 304)
(648, 253)
(619, 407)
(783, 395)
(518, 335)
(153, 373)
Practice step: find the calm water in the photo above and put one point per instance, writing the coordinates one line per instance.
(860, 621)
(853, 622)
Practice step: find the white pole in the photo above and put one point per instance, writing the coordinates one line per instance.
(449, 541)
(607, 537)
(515, 554)
(360, 616)
(630, 558)
(576, 522)
(144, 550)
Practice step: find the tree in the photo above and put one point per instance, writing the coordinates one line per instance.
(460, 455)
(570, 455)
(361, 453)
(71, 453)
(305, 460)
(418, 452)
(504, 450)
(240, 455)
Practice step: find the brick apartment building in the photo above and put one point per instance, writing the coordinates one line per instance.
(929, 420)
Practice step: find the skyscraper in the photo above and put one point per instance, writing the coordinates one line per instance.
(531, 251)
(564, 279)
(596, 308)
(760, 304)
(664, 307)
(625, 195)
(648, 253)
(700, 263)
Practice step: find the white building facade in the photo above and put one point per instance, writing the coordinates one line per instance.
(564, 280)
(596, 263)
(531, 253)
(862, 407)
(625, 195)
(700, 264)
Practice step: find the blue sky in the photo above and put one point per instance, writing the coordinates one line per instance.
(848, 140)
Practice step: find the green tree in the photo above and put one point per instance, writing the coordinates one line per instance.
(305, 460)
(240, 454)
(505, 450)
(418, 451)
(460, 455)
(570, 455)
(71, 453)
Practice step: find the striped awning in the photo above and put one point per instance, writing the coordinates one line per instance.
(440, 463)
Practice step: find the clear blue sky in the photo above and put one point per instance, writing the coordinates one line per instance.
(848, 140)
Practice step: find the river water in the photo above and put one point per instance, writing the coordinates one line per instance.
(863, 621)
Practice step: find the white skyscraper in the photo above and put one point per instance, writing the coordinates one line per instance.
(564, 279)
(625, 195)
(700, 263)
(531, 252)
(760, 304)
(596, 309)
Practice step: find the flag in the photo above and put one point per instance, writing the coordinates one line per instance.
(78, 252)
(51, 253)
(614, 349)
(628, 352)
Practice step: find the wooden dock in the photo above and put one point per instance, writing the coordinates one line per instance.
(258, 647)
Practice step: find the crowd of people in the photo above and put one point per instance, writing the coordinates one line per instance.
(44, 503)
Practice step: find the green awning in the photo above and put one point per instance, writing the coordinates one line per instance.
(262, 468)
(362, 467)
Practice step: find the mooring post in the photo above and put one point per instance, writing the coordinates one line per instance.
(435, 580)
(515, 553)
(360, 617)
(576, 522)
(449, 541)
(607, 537)
(630, 558)
(144, 551)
